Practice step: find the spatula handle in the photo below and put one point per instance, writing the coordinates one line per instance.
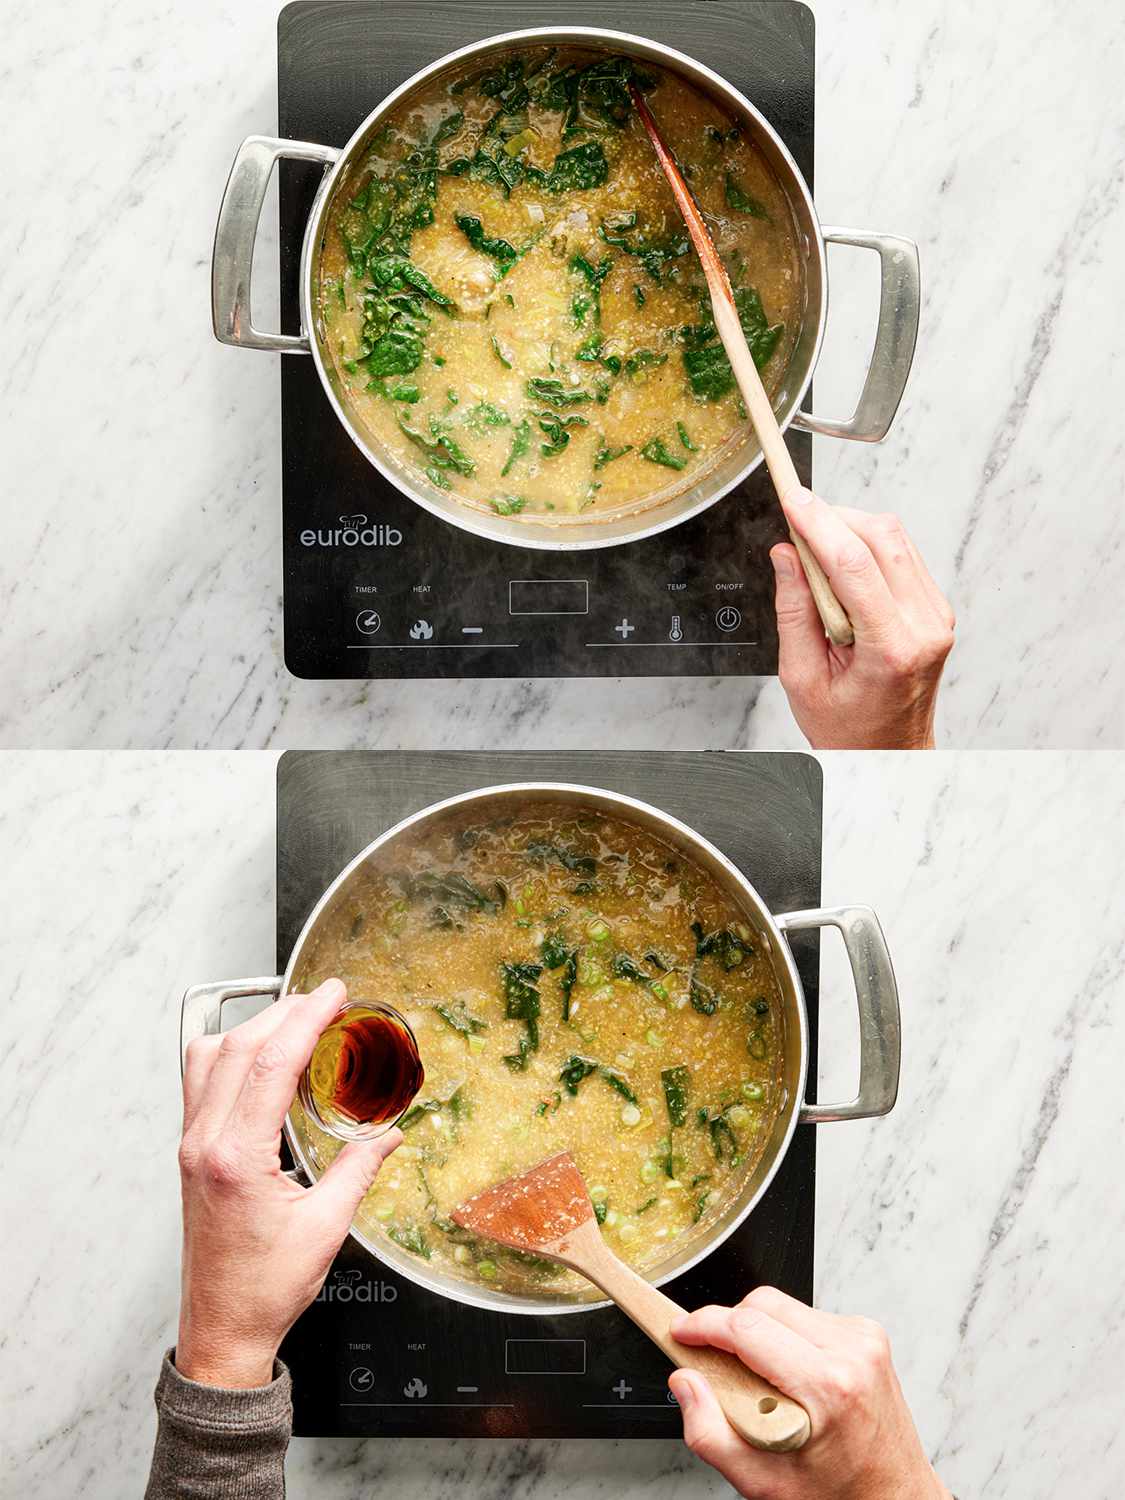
(754, 1408)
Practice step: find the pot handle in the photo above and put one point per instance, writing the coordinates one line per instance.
(900, 303)
(236, 233)
(880, 1039)
(201, 1011)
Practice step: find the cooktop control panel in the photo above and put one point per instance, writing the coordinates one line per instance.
(377, 1354)
(375, 586)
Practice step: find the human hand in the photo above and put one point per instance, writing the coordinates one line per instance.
(863, 1445)
(880, 693)
(256, 1246)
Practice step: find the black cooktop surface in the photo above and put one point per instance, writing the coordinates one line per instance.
(377, 1355)
(377, 587)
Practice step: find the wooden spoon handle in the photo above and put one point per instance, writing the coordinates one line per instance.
(779, 461)
(754, 1408)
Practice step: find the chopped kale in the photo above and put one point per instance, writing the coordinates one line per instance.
(410, 1238)
(705, 360)
(655, 255)
(580, 864)
(479, 418)
(521, 999)
(581, 167)
(517, 1061)
(521, 442)
(442, 450)
(590, 298)
(641, 361)
(551, 390)
(447, 129)
(703, 998)
(600, 1211)
(556, 429)
(575, 1069)
(451, 894)
(616, 1081)
(606, 455)
(508, 505)
(499, 353)
(626, 968)
(742, 202)
(457, 1017)
(676, 1081)
(556, 953)
(657, 452)
(454, 1102)
(685, 439)
(501, 251)
(724, 945)
(723, 1139)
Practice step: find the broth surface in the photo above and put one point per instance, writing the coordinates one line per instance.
(573, 984)
(510, 299)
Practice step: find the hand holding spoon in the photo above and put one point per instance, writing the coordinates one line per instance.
(780, 465)
(547, 1211)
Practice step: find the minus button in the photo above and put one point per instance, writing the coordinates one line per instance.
(467, 1390)
(472, 629)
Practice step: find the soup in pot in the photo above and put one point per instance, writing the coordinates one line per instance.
(573, 984)
(510, 300)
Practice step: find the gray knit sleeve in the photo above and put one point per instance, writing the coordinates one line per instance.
(218, 1444)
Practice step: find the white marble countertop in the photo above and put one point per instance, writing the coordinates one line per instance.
(140, 576)
(981, 1221)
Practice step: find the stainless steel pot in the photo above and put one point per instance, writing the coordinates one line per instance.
(876, 996)
(883, 386)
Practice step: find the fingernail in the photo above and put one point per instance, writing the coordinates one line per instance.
(683, 1393)
(782, 563)
(331, 989)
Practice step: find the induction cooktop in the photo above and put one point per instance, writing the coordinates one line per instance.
(376, 1355)
(375, 586)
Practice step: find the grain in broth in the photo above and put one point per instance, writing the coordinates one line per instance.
(511, 303)
(574, 984)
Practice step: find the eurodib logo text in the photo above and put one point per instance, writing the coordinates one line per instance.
(353, 531)
(353, 1286)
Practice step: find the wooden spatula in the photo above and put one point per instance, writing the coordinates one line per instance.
(547, 1211)
(833, 616)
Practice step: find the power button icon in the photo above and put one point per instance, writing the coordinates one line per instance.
(728, 618)
(367, 622)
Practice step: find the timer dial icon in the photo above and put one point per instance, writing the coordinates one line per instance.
(367, 622)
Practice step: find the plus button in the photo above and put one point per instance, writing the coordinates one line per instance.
(621, 1390)
(625, 630)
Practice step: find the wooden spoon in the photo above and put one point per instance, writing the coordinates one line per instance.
(547, 1211)
(780, 465)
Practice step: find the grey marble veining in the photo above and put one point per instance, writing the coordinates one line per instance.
(141, 572)
(981, 1221)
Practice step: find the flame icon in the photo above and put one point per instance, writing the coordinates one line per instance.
(415, 1389)
(421, 630)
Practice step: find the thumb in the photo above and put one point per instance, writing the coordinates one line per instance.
(802, 648)
(343, 1187)
(711, 1437)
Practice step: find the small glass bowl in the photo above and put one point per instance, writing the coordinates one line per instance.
(321, 1084)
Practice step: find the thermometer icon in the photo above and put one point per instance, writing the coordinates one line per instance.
(675, 634)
